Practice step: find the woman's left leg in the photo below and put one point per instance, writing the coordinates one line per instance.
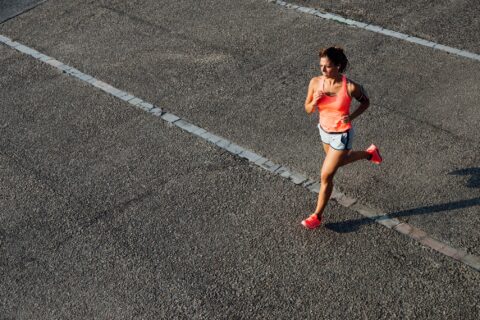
(353, 156)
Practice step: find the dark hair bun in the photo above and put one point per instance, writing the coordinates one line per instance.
(336, 55)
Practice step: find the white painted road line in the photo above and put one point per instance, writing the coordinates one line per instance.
(377, 29)
(254, 158)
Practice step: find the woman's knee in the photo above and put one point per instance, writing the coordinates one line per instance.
(327, 176)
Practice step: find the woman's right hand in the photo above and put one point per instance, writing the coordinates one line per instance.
(313, 95)
(317, 95)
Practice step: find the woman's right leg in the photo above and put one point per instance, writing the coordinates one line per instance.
(333, 160)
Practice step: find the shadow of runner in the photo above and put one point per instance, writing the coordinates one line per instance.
(473, 182)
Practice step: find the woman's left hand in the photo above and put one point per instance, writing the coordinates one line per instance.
(346, 119)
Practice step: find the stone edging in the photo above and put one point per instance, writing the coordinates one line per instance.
(377, 29)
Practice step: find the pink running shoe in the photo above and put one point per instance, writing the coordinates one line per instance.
(312, 222)
(376, 157)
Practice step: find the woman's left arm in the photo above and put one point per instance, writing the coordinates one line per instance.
(357, 92)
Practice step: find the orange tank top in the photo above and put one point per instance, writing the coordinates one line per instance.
(331, 109)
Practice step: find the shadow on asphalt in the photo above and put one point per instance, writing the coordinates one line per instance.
(10, 9)
(473, 182)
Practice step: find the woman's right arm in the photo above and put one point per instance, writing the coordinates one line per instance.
(312, 96)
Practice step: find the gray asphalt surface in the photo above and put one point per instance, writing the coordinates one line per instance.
(241, 70)
(12, 8)
(107, 212)
(453, 23)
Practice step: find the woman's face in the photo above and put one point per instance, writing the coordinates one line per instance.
(327, 67)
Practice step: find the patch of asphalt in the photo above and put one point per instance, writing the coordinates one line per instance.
(453, 23)
(172, 56)
(32, 135)
(10, 9)
(208, 237)
(377, 29)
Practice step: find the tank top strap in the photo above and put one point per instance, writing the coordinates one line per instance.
(344, 82)
(344, 85)
(320, 84)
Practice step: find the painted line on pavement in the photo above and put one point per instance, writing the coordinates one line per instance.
(376, 29)
(264, 163)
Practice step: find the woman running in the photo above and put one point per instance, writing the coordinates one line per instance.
(332, 94)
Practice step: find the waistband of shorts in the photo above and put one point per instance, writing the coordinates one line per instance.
(330, 132)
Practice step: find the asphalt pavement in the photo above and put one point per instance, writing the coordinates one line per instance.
(453, 23)
(111, 213)
(11, 8)
(241, 70)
